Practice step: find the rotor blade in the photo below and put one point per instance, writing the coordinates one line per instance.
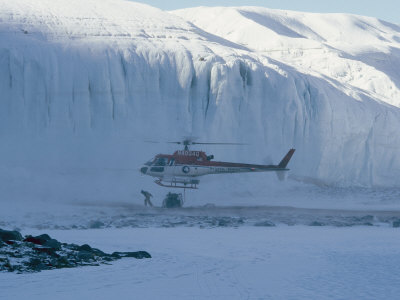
(174, 143)
(194, 143)
(187, 142)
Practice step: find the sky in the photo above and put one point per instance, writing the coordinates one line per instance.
(388, 10)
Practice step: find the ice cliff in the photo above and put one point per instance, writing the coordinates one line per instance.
(84, 83)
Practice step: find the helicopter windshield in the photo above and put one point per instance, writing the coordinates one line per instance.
(149, 163)
(157, 161)
(161, 161)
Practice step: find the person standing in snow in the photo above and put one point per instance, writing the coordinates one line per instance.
(147, 196)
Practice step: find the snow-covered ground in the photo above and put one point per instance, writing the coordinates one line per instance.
(245, 263)
(134, 215)
(216, 252)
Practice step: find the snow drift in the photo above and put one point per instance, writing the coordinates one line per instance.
(83, 83)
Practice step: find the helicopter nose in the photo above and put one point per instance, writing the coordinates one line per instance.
(143, 170)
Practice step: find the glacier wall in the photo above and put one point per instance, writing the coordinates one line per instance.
(74, 113)
(156, 94)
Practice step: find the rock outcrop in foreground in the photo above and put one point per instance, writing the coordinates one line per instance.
(37, 253)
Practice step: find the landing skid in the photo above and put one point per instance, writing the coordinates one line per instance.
(180, 185)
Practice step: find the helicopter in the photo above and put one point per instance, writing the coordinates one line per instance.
(183, 167)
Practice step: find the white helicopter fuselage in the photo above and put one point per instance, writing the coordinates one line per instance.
(183, 166)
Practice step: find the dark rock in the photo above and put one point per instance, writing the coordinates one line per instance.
(43, 240)
(136, 254)
(85, 255)
(35, 264)
(71, 246)
(396, 224)
(367, 218)
(44, 237)
(31, 239)
(265, 224)
(53, 243)
(6, 265)
(108, 258)
(85, 247)
(223, 222)
(96, 224)
(116, 255)
(316, 223)
(98, 252)
(37, 253)
(6, 235)
(62, 262)
(49, 251)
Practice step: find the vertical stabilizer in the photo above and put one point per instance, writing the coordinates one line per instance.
(286, 159)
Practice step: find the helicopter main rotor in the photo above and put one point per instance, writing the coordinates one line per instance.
(188, 142)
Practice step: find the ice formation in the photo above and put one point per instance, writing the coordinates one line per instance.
(84, 83)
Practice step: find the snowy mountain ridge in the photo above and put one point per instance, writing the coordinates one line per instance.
(363, 49)
(84, 82)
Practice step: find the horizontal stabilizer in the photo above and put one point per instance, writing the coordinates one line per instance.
(284, 162)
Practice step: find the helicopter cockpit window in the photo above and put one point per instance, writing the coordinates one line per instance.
(161, 161)
(149, 163)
